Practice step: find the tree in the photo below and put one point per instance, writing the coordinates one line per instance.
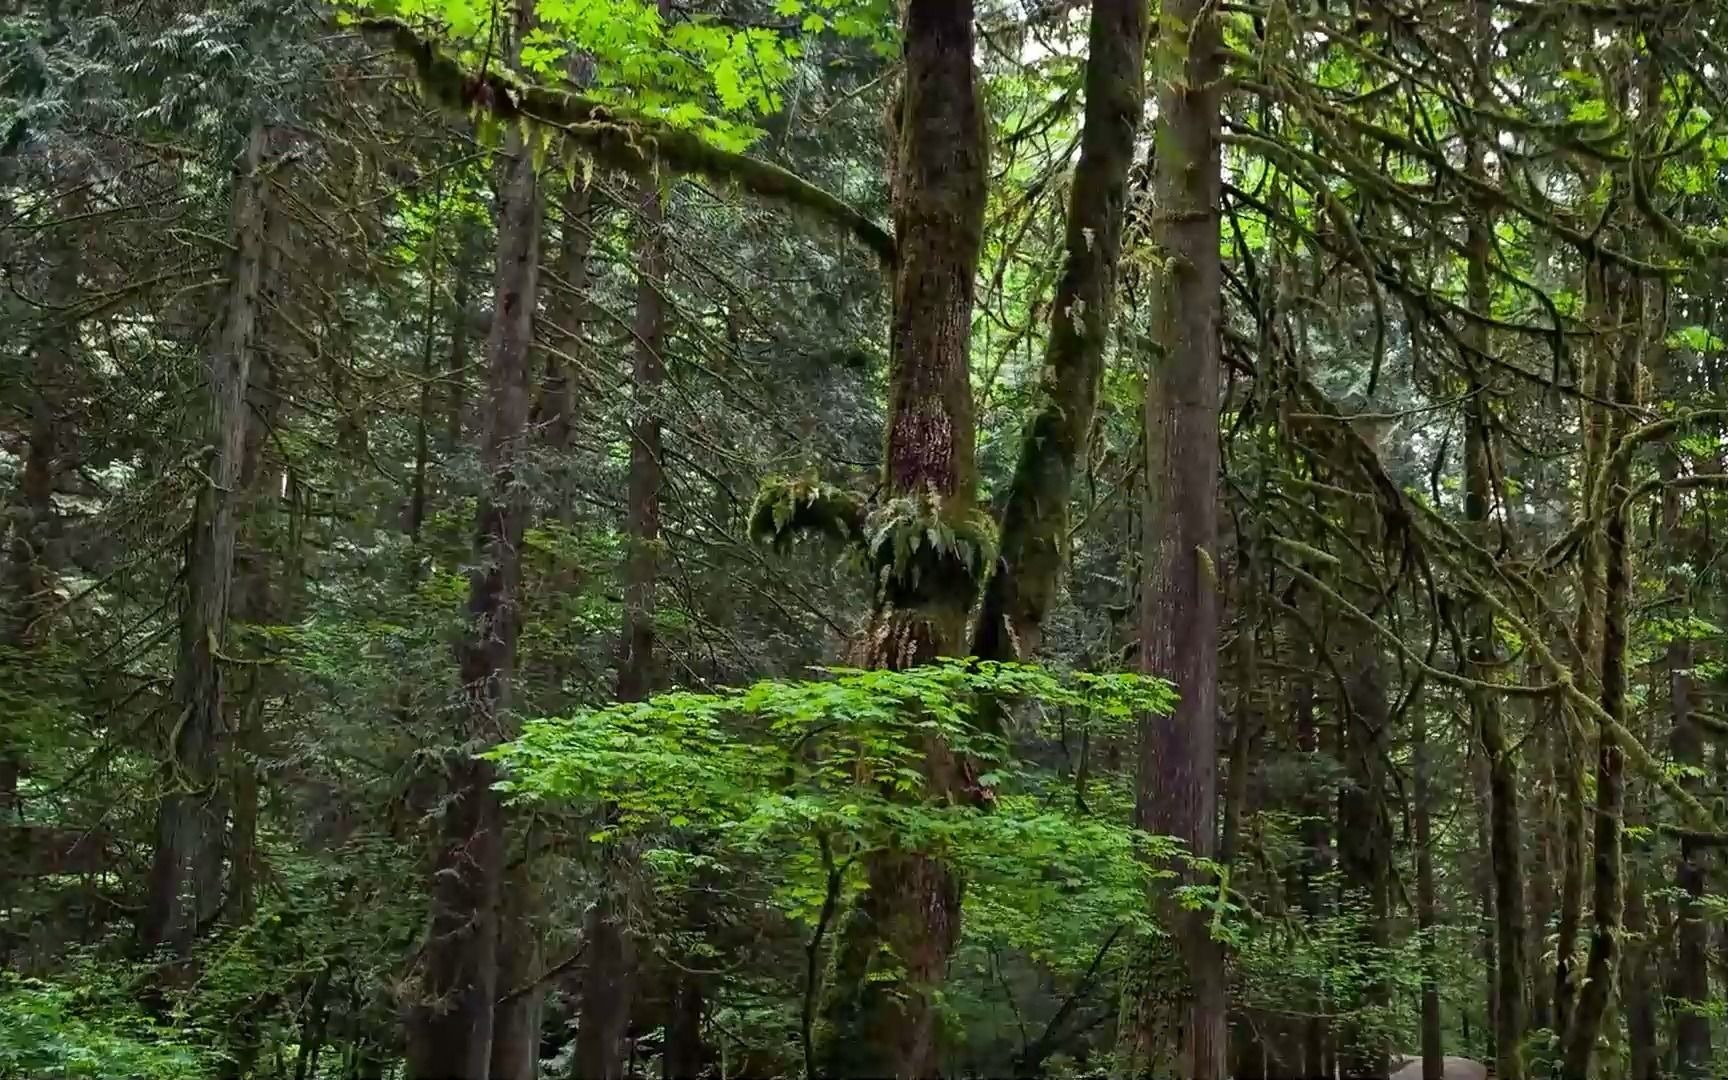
(1178, 782)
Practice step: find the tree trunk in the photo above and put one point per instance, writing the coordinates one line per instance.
(1644, 1056)
(1505, 841)
(1035, 518)
(28, 528)
(461, 329)
(516, 1022)
(1690, 984)
(1178, 769)
(1587, 661)
(883, 1021)
(1597, 989)
(1316, 849)
(184, 884)
(1432, 1038)
(608, 983)
(1365, 837)
(451, 1025)
(686, 1054)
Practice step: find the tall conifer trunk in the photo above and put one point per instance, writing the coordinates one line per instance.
(873, 1025)
(184, 884)
(451, 1025)
(609, 980)
(1505, 836)
(1178, 779)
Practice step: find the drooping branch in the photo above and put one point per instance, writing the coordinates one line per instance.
(616, 138)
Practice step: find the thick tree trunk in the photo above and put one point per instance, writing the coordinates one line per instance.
(184, 884)
(1178, 771)
(609, 981)
(1597, 989)
(1035, 519)
(1586, 663)
(686, 1054)
(1505, 840)
(883, 1021)
(451, 1025)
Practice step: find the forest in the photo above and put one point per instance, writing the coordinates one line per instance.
(687, 539)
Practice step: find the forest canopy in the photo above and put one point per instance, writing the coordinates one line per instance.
(838, 538)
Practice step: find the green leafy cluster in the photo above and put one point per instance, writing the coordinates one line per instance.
(763, 776)
(786, 507)
(920, 550)
(55, 1032)
(699, 73)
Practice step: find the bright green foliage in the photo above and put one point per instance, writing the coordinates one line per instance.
(54, 1032)
(699, 73)
(764, 776)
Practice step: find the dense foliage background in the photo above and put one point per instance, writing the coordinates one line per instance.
(499, 495)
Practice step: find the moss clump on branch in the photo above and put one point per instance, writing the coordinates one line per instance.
(786, 508)
(616, 138)
(921, 553)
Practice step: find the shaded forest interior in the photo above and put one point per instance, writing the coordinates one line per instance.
(863, 538)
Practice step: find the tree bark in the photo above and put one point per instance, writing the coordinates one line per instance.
(1691, 973)
(1586, 663)
(1034, 538)
(1643, 1053)
(884, 1022)
(1597, 989)
(608, 983)
(451, 1026)
(517, 1016)
(1178, 770)
(184, 885)
(1505, 840)
(1365, 838)
(1432, 1037)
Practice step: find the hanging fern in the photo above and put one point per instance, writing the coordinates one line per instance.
(922, 552)
(786, 508)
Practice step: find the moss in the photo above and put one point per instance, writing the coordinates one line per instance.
(786, 508)
(616, 138)
(923, 553)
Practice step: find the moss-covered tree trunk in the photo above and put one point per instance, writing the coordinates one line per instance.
(451, 1023)
(1178, 769)
(882, 1021)
(1505, 838)
(183, 889)
(1585, 661)
(1596, 990)
(1035, 518)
